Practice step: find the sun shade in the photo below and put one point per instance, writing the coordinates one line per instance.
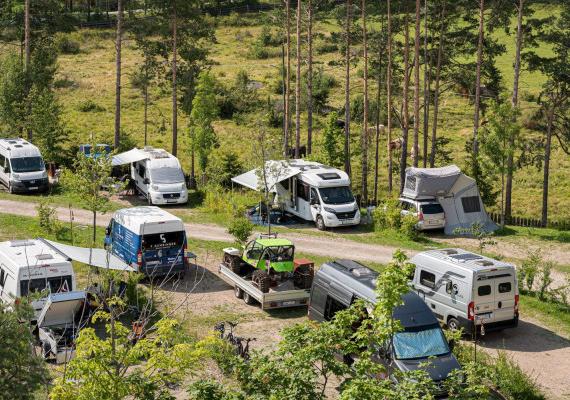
(129, 157)
(96, 257)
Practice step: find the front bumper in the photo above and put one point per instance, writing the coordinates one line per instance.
(169, 197)
(30, 186)
(335, 220)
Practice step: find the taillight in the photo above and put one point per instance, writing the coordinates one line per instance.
(139, 258)
(421, 216)
(184, 254)
(516, 304)
(471, 311)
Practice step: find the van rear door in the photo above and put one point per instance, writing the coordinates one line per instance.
(505, 291)
(484, 299)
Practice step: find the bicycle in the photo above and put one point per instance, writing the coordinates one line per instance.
(232, 339)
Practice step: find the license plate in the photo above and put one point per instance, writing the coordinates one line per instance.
(171, 201)
(483, 317)
(289, 303)
(33, 188)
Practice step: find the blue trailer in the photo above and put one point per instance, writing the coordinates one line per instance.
(149, 239)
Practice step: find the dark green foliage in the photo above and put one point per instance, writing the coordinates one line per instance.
(240, 228)
(239, 98)
(332, 140)
(89, 106)
(323, 83)
(225, 164)
(442, 153)
(66, 45)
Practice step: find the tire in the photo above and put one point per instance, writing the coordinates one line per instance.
(238, 292)
(303, 277)
(261, 280)
(248, 299)
(453, 324)
(233, 263)
(320, 223)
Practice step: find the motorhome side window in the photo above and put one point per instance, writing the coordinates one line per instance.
(314, 195)
(2, 161)
(471, 204)
(3, 276)
(141, 170)
(333, 306)
(427, 279)
(303, 190)
(484, 290)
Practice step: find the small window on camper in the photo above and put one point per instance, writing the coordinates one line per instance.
(302, 190)
(484, 290)
(3, 277)
(32, 286)
(427, 279)
(141, 170)
(505, 287)
(411, 183)
(471, 204)
(332, 307)
(2, 161)
(60, 284)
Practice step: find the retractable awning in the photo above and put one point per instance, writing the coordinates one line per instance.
(129, 157)
(275, 172)
(96, 257)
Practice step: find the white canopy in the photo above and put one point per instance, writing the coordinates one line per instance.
(129, 157)
(96, 257)
(275, 172)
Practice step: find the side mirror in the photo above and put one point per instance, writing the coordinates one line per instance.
(107, 231)
(146, 181)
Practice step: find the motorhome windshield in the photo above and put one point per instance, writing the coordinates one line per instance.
(56, 284)
(336, 195)
(420, 343)
(167, 240)
(166, 175)
(27, 164)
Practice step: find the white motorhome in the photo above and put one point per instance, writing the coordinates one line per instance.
(156, 174)
(465, 290)
(308, 190)
(33, 266)
(22, 167)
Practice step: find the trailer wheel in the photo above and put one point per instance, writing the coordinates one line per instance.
(303, 277)
(320, 223)
(248, 299)
(261, 280)
(238, 292)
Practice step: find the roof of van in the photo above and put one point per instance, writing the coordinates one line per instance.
(362, 281)
(134, 218)
(320, 175)
(463, 259)
(18, 147)
(30, 252)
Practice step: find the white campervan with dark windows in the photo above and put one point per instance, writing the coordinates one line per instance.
(159, 177)
(465, 290)
(33, 266)
(22, 167)
(308, 190)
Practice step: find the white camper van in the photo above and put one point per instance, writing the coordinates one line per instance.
(308, 190)
(464, 289)
(158, 175)
(22, 168)
(29, 266)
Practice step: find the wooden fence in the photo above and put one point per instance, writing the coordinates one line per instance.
(531, 222)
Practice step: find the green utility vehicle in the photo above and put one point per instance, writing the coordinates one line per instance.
(267, 265)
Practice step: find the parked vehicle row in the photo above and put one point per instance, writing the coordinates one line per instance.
(22, 168)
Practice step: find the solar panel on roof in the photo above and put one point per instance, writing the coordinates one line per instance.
(467, 257)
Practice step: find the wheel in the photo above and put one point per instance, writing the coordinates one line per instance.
(303, 277)
(320, 223)
(238, 292)
(261, 280)
(248, 299)
(233, 263)
(453, 324)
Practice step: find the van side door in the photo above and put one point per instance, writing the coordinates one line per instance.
(315, 202)
(4, 170)
(139, 175)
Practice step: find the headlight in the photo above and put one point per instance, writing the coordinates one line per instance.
(15, 177)
(356, 208)
(155, 188)
(328, 209)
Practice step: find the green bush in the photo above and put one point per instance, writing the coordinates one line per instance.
(65, 45)
(47, 215)
(89, 106)
(240, 228)
(408, 227)
(529, 269)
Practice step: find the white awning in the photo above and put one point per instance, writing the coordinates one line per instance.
(100, 258)
(275, 172)
(128, 157)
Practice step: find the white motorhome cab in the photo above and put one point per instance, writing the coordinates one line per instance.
(22, 168)
(159, 177)
(465, 290)
(308, 190)
(33, 266)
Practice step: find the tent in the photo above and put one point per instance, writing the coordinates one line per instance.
(456, 192)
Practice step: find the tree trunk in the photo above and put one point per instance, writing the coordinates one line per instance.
(310, 77)
(287, 78)
(193, 163)
(146, 114)
(174, 83)
(427, 86)
(389, 93)
(298, 84)
(436, 90)
(416, 150)
(378, 99)
(364, 138)
(547, 149)
(405, 122)
(515, 103)
(478, 81)
(27, 59)
(347, 92)
(118, 44)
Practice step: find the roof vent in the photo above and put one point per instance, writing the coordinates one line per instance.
(329, 176)
(484, 263)
(449, 251)
(12, 141)
(18, 145)
(20, 243)
(45, 256)
(360, 272)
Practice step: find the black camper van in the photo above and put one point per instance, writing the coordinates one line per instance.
(338, 284)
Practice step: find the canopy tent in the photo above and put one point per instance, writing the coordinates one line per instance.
(456, 192)
(129, 157)
(96, 257)
(275, 172)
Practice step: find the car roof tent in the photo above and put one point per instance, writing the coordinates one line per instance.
(456, 192)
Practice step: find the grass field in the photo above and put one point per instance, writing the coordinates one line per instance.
(89, 75)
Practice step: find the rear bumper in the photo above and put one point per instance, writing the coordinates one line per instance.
(162, 270)
(425, 225)
(467, 325)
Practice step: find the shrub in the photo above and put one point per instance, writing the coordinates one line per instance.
(47, 215)
(240, 228)
(408, 227)
(545, 279)
(259, 52)
(66, 45)
(529, 269)
(89, 106)
(324, 48)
